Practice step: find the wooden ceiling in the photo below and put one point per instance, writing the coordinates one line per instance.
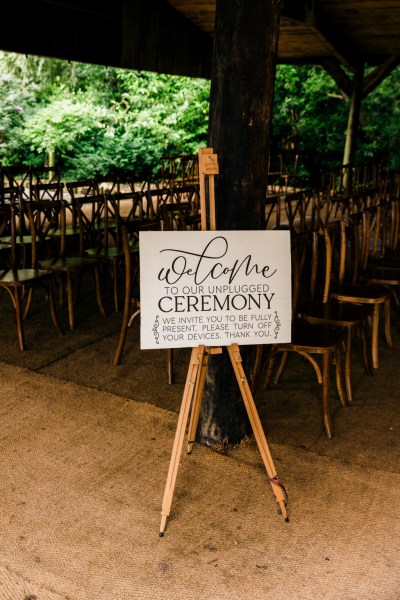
(176, 36)
(350, 31)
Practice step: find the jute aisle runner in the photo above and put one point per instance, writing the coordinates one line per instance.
(82, 476)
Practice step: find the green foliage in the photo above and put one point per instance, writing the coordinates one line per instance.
(310, 118)
(99, 120)
(380, 119)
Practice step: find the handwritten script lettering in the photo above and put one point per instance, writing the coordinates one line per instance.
(202, 266)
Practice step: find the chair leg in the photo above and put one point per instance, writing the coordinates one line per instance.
(115, 285)
(347, 372)
(366, 355)
(53, 309)
(281, 367)
(70, 298)
(19, 318)
(28, 304)
(257, 368)
(339, 381)
(326, 416)
(99, 296)
(388, 333)
(122, 335)
(170, 365)
(269, 369)
(375, 333)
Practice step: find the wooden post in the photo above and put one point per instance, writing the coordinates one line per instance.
(242, 87)
(352, 128)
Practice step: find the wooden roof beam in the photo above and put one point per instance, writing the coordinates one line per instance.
(372, 80)
(311, 14)
(335, 70)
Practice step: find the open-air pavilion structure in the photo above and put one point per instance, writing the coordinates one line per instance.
(88, 471)
(176, 36)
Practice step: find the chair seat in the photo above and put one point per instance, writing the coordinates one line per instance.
(67, 264)
(69, 232)
(332, 313)
(110, 253)
(21, 276)
(308, 338)
(363, 293)
(383, 275)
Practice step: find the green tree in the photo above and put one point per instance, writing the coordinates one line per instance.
(100, 119)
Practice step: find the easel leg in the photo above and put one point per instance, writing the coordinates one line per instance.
(258, 431)
(196, 361)
(198, 394)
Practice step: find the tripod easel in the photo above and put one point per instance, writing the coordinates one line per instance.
(193, 392)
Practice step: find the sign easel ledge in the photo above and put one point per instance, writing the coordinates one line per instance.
(194, 386)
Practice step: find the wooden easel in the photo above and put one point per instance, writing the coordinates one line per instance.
(193, 392)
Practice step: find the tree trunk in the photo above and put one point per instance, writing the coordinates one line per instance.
(352, 127)
(242, 88)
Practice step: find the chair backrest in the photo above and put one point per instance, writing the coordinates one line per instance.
(328, 260)
(10, 194)
(92, 219)
(187, 193)
(157, 197)
(298, 208)
(316, 264)
(127, 206)
(179, 217)
(45, 175)
(47, 228)
(82, 188)
(272, 212)
(47, 191)
(17, 176)
(130, 243)
(301, 254)
(8, 228)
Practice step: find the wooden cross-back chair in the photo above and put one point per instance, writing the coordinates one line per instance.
(179, 217)
(80, 188)
(157, 197)
(47, 221)
(45, 174)
(299, 211)
(319, 309)
(130, 232)
(47, 191)
(9, 194)
(272, 212)
(309, 341)
(187, 193)
(119, 209)
(7, 235)
(380, 263)
(353, 287)
(17, 176)
(19, 282)
(127, 206)
(91, 214)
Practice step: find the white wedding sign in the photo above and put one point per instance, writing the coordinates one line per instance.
(214, 288)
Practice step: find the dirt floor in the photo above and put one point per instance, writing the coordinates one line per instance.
(85, 449)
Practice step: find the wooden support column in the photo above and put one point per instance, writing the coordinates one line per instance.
(352, 126)
(242, 88)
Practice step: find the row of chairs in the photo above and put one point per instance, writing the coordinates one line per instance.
(346, 274)
(58, 241)
(306, 210)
